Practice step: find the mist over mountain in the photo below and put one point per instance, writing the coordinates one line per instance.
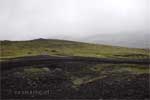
(131, 40)
(127, 40)
(113, 22)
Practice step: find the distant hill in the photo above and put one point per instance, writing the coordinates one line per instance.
(10, 49)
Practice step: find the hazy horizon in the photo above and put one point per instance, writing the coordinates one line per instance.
(140, 41)
(112, 22)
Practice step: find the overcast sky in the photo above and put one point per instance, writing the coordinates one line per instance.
(72, 19)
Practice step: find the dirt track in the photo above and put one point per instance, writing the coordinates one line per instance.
(30, 60)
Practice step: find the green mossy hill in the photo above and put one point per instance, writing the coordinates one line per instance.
(11, 49)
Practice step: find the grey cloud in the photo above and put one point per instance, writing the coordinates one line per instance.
(72, 19)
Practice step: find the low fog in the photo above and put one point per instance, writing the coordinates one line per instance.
(112, 22)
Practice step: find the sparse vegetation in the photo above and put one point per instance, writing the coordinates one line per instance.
(11, 49)
(98, 71)
(34, 72)
(84, 79)
(53, 51)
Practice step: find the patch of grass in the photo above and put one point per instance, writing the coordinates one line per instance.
(12, 49)
(85, 80)
(34, 70)
(78, 81)
(91, 73)
(133, 68)
(136, 70)
(34, 73)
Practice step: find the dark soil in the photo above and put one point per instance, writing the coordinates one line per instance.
(57, 85)
(119, 87)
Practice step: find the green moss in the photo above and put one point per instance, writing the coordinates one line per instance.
(34, 70)
(91, 73)
(85, 80)
(78, 81)
(34, 73)
(137, 70)
(114, 68)
(13, 49)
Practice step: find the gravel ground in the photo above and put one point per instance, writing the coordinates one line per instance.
(53, 83)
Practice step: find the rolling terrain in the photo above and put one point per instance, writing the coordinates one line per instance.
(11, 49)
(59, 69)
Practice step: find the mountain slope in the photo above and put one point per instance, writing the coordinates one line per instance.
(10, 49)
